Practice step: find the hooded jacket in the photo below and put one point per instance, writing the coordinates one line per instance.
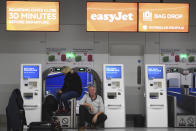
(72, 82)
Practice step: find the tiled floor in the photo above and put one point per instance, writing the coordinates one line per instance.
(3, 128)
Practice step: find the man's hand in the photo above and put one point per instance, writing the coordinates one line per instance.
(91, 108)
(94, 120)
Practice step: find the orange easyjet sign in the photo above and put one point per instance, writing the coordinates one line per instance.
(163, 17)
(108, 16)
(32, 16)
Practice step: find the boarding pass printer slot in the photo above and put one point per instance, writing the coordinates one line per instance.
(112, 95)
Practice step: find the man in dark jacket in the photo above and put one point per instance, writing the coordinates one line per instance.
(72, 87)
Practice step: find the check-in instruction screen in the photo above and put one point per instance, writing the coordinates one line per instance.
(32, 16)
(155, 72)
(30, 72)
(113, 72)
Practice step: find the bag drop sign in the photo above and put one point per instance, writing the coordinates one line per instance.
(163, 17)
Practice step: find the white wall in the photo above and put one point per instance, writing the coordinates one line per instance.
(134, 97)
(128, 48)
(125, 48)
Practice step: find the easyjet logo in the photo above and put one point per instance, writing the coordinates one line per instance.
(119, 16)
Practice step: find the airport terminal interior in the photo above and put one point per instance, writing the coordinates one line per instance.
(130, 65)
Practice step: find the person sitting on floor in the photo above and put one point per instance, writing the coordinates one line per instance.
(91, 109)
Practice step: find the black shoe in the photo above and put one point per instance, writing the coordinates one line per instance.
(59, 110)
(66, 111)
(82, 128)
(93, 126)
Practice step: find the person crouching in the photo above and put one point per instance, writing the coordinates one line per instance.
(91, 109)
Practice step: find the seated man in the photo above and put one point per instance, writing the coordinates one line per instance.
(91, 109)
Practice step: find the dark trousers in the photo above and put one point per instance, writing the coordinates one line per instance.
(85, 116)
(64, 97)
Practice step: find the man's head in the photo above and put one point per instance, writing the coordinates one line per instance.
(92, 90)
(66, 70)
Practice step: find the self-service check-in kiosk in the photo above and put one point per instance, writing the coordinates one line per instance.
(156, 96)
(114, 95)
(31, 91)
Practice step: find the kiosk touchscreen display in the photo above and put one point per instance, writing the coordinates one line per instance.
(155, 72)
(113, 72)
(30, 71)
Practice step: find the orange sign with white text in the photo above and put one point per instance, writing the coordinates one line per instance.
(32, 16)
(111, 16)
(163, 17)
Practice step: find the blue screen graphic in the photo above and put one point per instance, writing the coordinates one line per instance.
(113, 72)
(155, 72)
(30, 72)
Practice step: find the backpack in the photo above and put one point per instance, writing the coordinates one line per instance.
(49, 106)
